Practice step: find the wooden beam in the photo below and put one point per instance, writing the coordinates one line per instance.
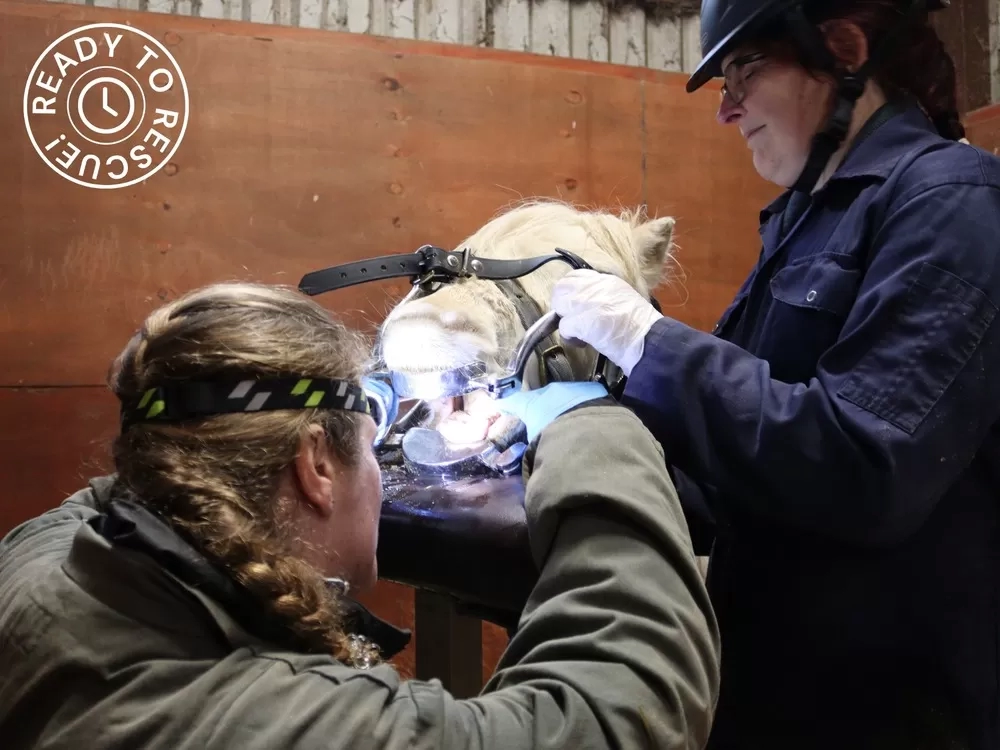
(965, 30)
(449, 645)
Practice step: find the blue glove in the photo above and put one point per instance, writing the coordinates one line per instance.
(537, 408)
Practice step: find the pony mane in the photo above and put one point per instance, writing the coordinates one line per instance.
(538, 226)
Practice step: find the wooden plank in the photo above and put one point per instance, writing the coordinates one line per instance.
(439, 20)
(341, 15)
(690, 43)
(965, 29)
(589, 30)
(550, 30)
(456, 656)
(982, 128)
(627, 36)
(52, 440)
(222, 9)
(701, 173)
(512, 25)
(664, 48)
(994, 42)
(475, 27)
(394, 18)
(272, 181)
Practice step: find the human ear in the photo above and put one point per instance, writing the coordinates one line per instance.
(316, 471)
(847, 42)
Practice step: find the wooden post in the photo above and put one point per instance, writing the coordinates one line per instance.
(449, 645)
(964, 28)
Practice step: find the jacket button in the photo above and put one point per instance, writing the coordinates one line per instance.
(811, 296)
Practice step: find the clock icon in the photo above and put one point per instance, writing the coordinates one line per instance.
(108, 92)
(104, 102)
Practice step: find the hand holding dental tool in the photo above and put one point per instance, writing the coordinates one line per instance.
(606, 312)
(538, 408)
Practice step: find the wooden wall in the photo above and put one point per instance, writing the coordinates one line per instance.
(307, 148)
(982, 128)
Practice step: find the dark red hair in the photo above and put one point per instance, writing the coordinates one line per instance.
(917, 64)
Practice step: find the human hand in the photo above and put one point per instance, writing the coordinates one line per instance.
(538, 407)
(604, 311)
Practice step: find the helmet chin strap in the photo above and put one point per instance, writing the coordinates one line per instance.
(850, 86)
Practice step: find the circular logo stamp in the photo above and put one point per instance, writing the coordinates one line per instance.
(106, 105)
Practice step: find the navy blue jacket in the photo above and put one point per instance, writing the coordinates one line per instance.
(841, 424)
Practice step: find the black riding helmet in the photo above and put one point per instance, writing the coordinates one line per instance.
(725, 24)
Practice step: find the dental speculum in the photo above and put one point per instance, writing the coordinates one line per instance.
(426, 451)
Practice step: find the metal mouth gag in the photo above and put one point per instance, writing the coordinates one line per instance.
(498, 386)
(427, 453)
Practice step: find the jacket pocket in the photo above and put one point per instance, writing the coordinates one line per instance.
(930, 339)
(818, 283)
(810, 301)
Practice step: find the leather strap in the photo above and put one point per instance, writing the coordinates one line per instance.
(360, 271)
(555, 365)
(426, 264)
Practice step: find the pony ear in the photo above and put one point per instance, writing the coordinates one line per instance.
(654, 240)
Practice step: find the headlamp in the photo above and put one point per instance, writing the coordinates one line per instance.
(383, 403)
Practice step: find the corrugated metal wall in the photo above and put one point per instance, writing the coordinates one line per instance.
(548, 27)
(994, 43)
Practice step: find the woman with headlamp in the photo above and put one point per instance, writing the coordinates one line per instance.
(201, 596)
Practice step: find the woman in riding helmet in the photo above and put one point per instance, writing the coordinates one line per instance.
(842, 421)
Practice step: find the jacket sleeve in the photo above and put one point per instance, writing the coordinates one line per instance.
(898, 406)
(697, 510)
(617, 647)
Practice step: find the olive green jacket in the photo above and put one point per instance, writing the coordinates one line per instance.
(102, 649)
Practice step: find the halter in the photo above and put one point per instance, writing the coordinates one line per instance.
(423, 451)
(428, 268)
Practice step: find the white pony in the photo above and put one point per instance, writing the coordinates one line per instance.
(474, 320)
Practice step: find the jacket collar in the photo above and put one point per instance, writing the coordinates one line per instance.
(888, 135)
(125, 524)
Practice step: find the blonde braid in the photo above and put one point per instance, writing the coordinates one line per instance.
(215, 480)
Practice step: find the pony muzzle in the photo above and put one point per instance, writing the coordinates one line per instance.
(435, 384)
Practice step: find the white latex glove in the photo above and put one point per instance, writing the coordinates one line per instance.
(605, 312)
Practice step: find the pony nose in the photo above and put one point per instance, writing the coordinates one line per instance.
(419, 310)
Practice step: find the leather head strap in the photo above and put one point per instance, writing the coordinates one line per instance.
(428, 264)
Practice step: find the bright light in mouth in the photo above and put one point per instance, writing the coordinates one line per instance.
(472, 418)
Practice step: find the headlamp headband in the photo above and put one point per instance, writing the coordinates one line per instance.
(175, 402)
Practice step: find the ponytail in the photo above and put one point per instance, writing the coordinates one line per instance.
(917, 64)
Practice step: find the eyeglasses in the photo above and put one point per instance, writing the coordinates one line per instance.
(736, 78)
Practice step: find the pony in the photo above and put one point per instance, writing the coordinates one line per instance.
(477, 321)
